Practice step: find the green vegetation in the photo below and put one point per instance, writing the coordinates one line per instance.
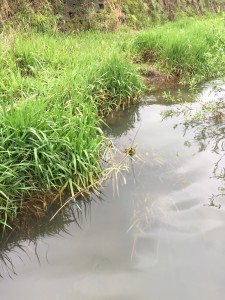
(53, 90)
(190, 50)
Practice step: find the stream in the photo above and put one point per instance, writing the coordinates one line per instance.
(150, 235)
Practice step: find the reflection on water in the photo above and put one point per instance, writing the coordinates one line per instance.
(205, 119)
(122, 121)
(24, 240)
(155, 239)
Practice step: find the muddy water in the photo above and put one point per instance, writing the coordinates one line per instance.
(156, 238)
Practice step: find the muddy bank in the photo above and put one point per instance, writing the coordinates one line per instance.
(157, 80)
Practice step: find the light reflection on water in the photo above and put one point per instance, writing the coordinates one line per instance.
(156, 239)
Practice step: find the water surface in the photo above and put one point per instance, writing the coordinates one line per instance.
(156, 238)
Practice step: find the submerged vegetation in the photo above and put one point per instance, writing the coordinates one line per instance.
(55, 88)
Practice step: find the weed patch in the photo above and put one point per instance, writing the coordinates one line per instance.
(189, 49)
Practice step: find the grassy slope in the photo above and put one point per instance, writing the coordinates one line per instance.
(84, 15)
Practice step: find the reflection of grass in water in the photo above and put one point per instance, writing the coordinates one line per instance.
(32, 230)
(119, 123)
(28, 227)
(146, 208)
(152, 158)
(206, 119)
(146, 213)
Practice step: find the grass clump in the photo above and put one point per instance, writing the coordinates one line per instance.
(43, 150)
(116, 84)
(53, 90)
(189, 49)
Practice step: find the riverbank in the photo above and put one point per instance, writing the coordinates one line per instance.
(187, 51)
(56, 88)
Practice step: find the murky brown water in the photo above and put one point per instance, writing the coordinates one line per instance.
(157, 239)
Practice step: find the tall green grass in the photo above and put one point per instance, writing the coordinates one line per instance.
(116, 84)
(190, 49)
(53, 91)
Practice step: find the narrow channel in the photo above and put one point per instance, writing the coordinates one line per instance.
(153, 237)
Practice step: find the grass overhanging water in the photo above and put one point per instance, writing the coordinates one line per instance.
(55, 89)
